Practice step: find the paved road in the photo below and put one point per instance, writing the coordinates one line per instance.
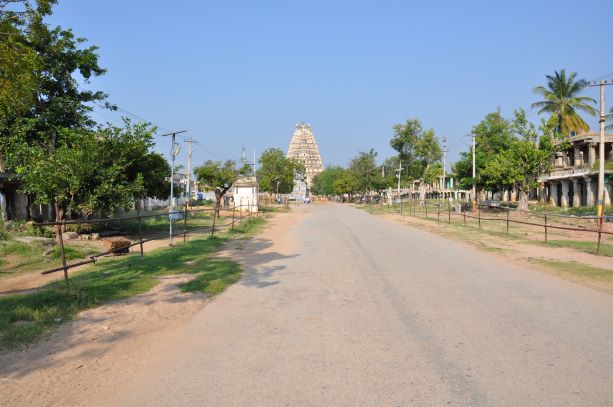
(362, 311)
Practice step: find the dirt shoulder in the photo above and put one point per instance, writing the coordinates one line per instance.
(554, 260)
(109, 345)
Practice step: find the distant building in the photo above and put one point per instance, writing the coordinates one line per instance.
(245, 192)
(574, 179)
(303, 148)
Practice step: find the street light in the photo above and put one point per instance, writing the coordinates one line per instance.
(174, 152)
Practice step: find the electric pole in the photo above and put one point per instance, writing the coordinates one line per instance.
(399, 171)
(174, 151)
(444, 162)
(189, 142)
(474, 200)
(601, 150)
(254, 164)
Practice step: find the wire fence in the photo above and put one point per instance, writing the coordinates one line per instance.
(145, 228)
(506, 218)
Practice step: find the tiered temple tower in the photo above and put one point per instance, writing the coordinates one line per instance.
(304, 149)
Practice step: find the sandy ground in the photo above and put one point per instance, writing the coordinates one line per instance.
(514, 252)
(111, 344)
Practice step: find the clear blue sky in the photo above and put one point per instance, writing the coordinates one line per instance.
(243, 73)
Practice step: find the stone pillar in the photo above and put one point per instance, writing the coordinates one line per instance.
(591, 154)
(608, 192)
(565, 193)
(589, 192)
(514, 195)
(577, 155)
(576, 193)
(505, 195)
(553, 193)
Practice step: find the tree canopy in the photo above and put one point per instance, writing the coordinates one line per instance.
(528, 157)
(219, 176)
(493, 135)
(562, 101)
(277, 172)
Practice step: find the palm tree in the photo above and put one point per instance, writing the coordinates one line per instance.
(562, 101)
(609, 119)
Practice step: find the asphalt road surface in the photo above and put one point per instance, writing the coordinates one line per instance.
(362, 311)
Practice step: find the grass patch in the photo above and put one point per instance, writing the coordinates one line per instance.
(576, 269)
(18, 257)
(25, 318)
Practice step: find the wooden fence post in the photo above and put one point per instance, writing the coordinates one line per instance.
(438, 210)
(213, 228)
(448, 211)
(185, 222)
(233, 211)
(479, 214)
(426, 206)
(140, 235)
(508, 210)
(464, 213)
(545, 227)
(60, 229)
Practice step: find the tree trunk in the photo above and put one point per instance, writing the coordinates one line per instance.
(523, 200)
(218, 205)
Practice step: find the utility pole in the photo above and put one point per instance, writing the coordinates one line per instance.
(254, 164)
(189, 142)
(601, 150)
(474, 200)
(399, 171)
(444, 162)
(174, 151)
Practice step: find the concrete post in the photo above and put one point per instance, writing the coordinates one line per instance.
(576, 193)
(553, 193)
(589, 192)
(608, 193)
(565, 193)
(505, 195)
(514, 195)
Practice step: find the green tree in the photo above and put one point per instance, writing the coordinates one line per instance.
(364, 171)
(418, 150)
(323, 183)
(562, 100)
(609, 120)
(527, 158)
(94, 173)
(493, 135)
(219, 177)
(277, 172)
(345, 184)
(56, 63)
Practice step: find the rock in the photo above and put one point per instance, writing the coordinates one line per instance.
(94, 236)
(118, 244)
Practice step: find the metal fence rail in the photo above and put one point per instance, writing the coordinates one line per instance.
(435, 209)
(236, 216)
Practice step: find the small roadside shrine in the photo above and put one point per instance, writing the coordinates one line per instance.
(245, 192)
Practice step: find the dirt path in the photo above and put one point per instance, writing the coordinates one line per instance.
(106, 346)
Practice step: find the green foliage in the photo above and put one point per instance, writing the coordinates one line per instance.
(219, 177)
(528, 157)
(345, 184)
(276, 170)
(323, 183)
(417, 149)
(364, 171)
(493, 135)
(95, 172)
(609, 120)
(562, 101)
